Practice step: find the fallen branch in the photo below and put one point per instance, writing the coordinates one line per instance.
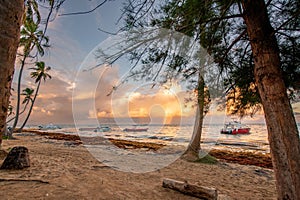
(24, 180)
(190, 189)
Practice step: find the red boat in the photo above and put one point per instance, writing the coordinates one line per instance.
(234, 128)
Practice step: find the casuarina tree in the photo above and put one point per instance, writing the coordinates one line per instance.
(256, 44)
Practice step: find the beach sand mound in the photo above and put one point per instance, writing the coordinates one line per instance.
(61, 170)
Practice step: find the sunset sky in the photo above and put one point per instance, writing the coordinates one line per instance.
(72, 38)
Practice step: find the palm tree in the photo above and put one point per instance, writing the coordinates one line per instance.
(11, 13)
(32, 11)
(31, 38)
(40, 73)
(28, 92)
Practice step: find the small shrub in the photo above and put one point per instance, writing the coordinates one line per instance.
(208, 159)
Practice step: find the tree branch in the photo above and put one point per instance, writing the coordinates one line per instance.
(222, 18)
(84, 12)
(232, 44)
(110, 33)
(286, 22)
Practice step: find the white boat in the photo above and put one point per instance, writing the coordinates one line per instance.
(102, 129)
(48, 127)
(234, 128)
(97, 129)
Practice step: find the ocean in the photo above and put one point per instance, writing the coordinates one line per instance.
(177, 135)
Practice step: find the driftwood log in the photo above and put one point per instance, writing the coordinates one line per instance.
(22, 180)
(190, 189)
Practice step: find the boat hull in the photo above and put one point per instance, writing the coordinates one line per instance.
(135, 129)
(236, 131)
(97, 129)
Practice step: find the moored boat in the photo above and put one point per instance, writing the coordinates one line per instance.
(97, 129)
(102, 129)
(135, 129)
(48, 127)
(234, 128)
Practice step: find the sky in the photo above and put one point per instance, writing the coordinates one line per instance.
(71, 40)
(74, 96)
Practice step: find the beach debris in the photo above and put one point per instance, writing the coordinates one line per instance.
(17, 158)
(262, 172)
(126, 144)
(191, 189)
(95, 167)
(243, 158)
(71, 143)
(23, 180)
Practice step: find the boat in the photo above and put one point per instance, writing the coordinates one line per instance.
(87, 129)
(97, 129)
(48, 127)
(135, 129)
(102, 129)
(235, 128)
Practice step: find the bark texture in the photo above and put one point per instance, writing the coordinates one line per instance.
(191, 189)
(282, 129)
(11, 13)
(193, 150)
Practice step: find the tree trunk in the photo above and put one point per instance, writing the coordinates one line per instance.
(31, 106)
(18, 97)
(19, 114)
(282, 129)
(11, 13)
(193, 150)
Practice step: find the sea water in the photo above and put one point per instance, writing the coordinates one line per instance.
(211, 138)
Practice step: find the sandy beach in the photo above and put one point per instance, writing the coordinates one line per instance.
(63, 169)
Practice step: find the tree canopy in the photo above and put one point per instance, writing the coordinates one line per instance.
(219, 27)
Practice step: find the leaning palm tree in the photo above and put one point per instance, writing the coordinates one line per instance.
(31, 38)
(40, 73)
(28, 92)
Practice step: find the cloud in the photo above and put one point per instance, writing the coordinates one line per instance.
(133, 101)
(90, 97)
(53, 103)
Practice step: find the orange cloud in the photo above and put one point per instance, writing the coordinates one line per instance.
(146, 102)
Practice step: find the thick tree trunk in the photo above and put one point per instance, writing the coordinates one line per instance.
(282, 129)
(11, 13)
(193, 150)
